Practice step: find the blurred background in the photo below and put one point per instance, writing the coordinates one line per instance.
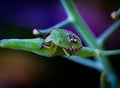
(20, 69)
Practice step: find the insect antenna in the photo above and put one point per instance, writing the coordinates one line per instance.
(41, 35)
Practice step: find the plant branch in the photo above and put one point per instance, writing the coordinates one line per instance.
(59, 25)
(86, 62)
(109, 52)
(87, 35)
(78, 22)
(36, 45)
(111, 29)
(108, 32)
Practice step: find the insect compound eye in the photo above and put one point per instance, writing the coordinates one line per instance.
(73, 40)
(72, 37)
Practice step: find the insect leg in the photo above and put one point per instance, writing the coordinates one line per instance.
(66, 52)
(47, 34)
(54, 51)
(46, 46)
(42, 35)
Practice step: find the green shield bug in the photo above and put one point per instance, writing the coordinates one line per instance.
(65, 39)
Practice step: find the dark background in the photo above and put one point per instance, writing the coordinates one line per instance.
(25, 69)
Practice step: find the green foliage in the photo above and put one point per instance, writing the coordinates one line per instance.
(104, 83)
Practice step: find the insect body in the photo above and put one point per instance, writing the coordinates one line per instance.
(65, 39)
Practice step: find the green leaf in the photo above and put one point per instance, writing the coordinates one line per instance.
(32, 45)
(104, 83)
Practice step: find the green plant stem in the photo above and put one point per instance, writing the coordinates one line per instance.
(86, 62)
(109, 52)
(108, 32)
(104, 83)
(36, 46)
(78, 22)
(87, 35)
(59, 25)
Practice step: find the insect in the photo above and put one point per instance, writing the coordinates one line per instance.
(65, 39)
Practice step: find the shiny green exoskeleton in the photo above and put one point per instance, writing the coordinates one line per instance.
(68, 40)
